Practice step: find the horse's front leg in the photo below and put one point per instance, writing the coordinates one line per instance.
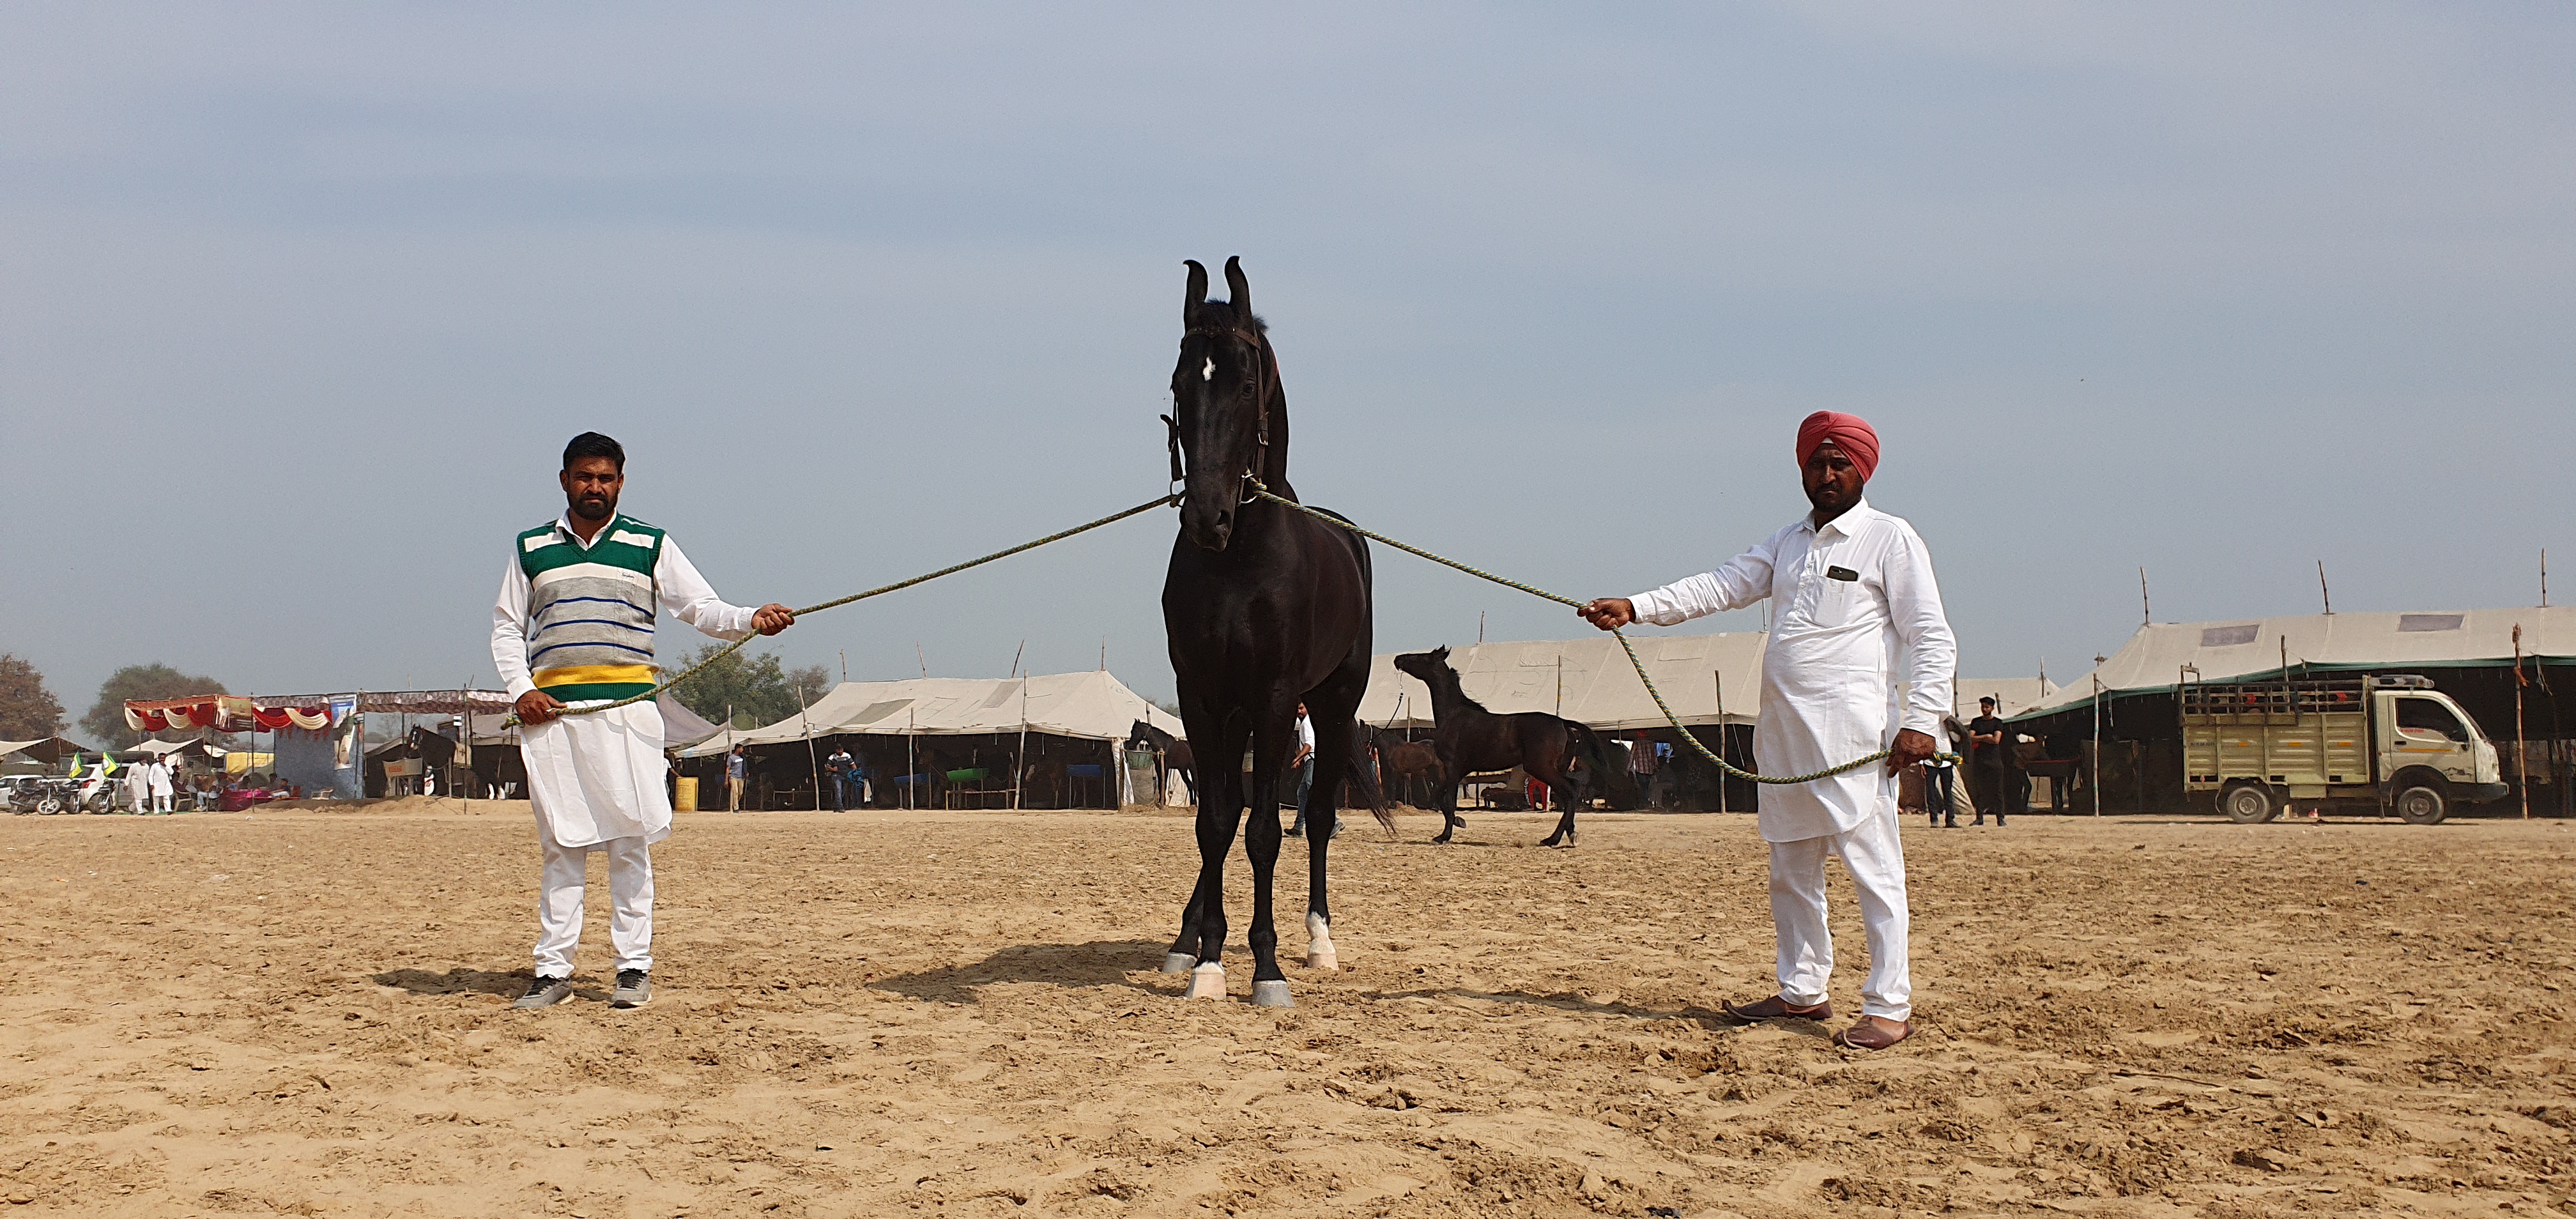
(1261, 841)
(1448, 802)
(1203, 936)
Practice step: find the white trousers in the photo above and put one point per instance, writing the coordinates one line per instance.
(1875, 857)
(160, 802)
(630, 911)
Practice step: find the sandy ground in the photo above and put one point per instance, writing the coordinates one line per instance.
(305, 1011)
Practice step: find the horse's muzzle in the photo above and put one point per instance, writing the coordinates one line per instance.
(1208, 527)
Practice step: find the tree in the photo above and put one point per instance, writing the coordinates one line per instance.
(27, 709)
(757, 689)
(105, 722)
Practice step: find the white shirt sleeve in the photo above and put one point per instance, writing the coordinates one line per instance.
(687, 596)
(510, 631)
(1927, 652)
(1745, 579)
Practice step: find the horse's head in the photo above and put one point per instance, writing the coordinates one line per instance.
(1224, 417)
(1429, 666)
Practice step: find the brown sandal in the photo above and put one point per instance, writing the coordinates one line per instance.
(1775, 1008)
(1868, 1036)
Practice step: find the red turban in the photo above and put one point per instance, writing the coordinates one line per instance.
(1850, 433)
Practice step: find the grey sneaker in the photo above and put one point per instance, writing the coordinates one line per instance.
(634, 989)
(545, 992)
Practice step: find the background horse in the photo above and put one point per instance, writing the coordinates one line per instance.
(1473, 740)
(1172, 755)
(1410, 770)
(1263, 607)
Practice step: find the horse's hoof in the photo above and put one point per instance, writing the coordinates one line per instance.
(1271, 994)
(1207, 981)
(1178, 962)
(1319, 943)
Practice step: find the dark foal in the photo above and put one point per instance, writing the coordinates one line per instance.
(1473, 740)
(1172, 755)
(1409, 770)
(1263, 607)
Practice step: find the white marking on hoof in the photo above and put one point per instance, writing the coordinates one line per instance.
(1319, 944)
(1271, 994)
(1178, 962)
(1207, 981)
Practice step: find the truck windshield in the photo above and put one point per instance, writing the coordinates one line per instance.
(2427, 714)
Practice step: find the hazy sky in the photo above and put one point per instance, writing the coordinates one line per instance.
(298, 306)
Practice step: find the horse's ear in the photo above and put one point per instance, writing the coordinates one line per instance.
(1441, 653)
(1242, 290)
(1194, 295)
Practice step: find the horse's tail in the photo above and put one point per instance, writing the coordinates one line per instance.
(1363, 748)
(1616, 783)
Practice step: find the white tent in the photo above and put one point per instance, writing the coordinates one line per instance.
(1598, 688)
(1091, 705)
(2155, 659)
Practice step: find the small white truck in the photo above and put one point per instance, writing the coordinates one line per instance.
(2388, 743)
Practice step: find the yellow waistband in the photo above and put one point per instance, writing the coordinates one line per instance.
(593, 675)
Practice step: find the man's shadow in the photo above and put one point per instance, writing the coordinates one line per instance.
(455, 982)
(1073, 966)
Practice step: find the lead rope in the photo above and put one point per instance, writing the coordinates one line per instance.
(1263, 492)
(736, 645)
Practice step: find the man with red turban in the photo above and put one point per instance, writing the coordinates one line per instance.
(1855, 611)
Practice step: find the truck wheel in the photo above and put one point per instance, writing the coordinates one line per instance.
(2421, 803)
(2248, 803)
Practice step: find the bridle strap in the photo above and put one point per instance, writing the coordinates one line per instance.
(1268, 362)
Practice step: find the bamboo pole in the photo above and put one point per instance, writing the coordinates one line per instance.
(2521, 749)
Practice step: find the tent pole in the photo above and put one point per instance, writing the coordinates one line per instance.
(1020, 761)
(1718, 678)
(2521, 750)
(805, 727)
(911, 766)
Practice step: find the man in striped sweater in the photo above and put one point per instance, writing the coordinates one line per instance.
(573, 628)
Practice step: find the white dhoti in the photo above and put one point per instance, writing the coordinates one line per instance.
(595, 782)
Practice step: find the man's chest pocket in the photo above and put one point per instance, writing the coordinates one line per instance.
(1841, 598)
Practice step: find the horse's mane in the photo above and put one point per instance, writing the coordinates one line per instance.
(1457, 688)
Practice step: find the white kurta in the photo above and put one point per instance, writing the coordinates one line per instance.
(598, 777)
(1854, 611)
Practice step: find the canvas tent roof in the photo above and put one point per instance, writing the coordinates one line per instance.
(2153, 659)
(1092, 705)
(46, 749)
(1601, 688)
(2012, 695)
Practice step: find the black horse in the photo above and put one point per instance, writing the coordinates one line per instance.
(1473, 740)
(1171, 754)
(1263, 607)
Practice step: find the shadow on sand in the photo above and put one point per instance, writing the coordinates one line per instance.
(1097, 963)
(456, 982)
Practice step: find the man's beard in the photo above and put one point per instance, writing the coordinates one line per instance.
(607, 508)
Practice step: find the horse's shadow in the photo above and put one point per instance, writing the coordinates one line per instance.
(1072, 966)
(455, 982)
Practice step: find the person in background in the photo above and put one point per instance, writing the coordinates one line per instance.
(737, 769)
(1855, 611)
(1643, 764)
(1941, 779)
(1304, 764)
(836, 775)
(1996, 768)
(138, 788)
(156, 775)
(854, 777)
